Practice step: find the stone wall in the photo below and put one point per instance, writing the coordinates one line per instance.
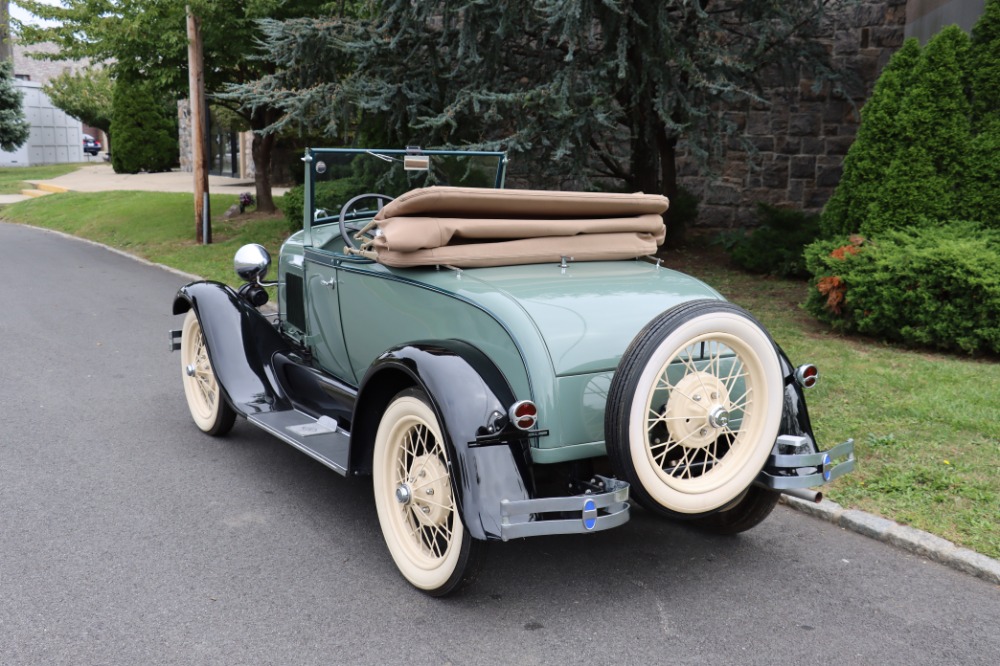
(794, 147)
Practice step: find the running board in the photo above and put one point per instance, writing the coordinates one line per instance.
(320, 438)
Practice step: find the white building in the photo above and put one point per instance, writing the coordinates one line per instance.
(55, 137)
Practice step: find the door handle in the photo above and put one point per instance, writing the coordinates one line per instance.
(331, 283)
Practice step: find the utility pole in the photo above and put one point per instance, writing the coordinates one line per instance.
(6, 52)
(196, 81)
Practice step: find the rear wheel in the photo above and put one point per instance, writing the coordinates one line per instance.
(206, 403)
(415, 502)
(694, 409)
(745, 514)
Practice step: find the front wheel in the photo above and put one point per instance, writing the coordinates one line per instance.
(415, 501)
(206, 403)
(694, 409)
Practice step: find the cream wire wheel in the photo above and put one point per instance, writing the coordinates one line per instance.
(206, 403)
(694, 408)
(414, 499)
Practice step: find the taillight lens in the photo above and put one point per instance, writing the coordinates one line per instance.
(524, 415)
(807, 375)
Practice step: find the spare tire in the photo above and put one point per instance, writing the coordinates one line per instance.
(694, 408)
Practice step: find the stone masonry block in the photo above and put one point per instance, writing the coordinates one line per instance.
(838, 145)
(802, 166)
(803, 124)
(758, 123)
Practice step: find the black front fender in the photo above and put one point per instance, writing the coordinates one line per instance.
(240, 341)
(467, 393)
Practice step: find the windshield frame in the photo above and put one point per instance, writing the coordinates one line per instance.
(314, 155)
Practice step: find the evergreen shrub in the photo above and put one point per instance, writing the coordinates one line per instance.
(776, 245)
(144, 127)
(935, 287)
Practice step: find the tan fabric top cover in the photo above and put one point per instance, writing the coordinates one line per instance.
(473, 227)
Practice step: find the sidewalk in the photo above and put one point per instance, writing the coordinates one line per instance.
(102, 178)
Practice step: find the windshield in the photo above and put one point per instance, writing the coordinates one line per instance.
(335, 176)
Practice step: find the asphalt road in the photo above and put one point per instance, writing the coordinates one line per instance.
(128, 537)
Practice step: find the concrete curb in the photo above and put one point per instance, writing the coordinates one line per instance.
(903, 537)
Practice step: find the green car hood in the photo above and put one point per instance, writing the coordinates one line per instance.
(589, 312)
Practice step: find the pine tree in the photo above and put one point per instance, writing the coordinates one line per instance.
(921, 185)
(14, 128)
(145, 129)
(879, 138)
(586, 94)
(981, 181)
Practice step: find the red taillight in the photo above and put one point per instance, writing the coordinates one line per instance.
(524, 415)
(807, 375)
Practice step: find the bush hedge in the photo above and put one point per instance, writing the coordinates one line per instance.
(144, 127)
(775, 246)
(936, 287)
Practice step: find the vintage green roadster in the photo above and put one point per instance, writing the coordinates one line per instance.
(502, 363)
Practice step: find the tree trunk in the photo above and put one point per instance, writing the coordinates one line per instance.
(667, 153)
(261, 152)
(644, 160)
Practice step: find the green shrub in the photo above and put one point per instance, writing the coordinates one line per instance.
(684, 207)
(981, 183)
(922, 185)
(936, 287)
(775, 245)
(329, 195)
(878, 140)
(144, 127)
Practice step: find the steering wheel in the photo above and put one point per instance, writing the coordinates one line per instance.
(347, 230)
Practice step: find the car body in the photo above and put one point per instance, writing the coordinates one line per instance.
(91, 146)
(537, 387)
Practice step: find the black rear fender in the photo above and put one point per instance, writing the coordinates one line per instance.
(467, 393)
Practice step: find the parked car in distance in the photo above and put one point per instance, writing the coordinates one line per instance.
(500, 363)
(91, 146)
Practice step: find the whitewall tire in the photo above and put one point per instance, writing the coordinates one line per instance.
(415, 501)
(694, 408)
(208, 406)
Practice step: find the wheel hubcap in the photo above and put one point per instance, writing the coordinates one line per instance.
(429, 489)
(718, 417)
(697, 410)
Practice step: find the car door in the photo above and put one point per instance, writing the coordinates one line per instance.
(325, 336)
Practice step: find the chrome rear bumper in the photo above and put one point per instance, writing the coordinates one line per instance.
(577, 514)
(805, 470)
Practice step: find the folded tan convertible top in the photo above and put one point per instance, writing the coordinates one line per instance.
(474, 227)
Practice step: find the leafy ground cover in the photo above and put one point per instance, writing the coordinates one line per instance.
(927, 425)
(14, 179)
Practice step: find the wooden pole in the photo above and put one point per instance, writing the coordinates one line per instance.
(6, 52)
(196, 81)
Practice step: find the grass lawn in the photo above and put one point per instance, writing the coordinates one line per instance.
(926, 425)
(14, 179)
(156, 226)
